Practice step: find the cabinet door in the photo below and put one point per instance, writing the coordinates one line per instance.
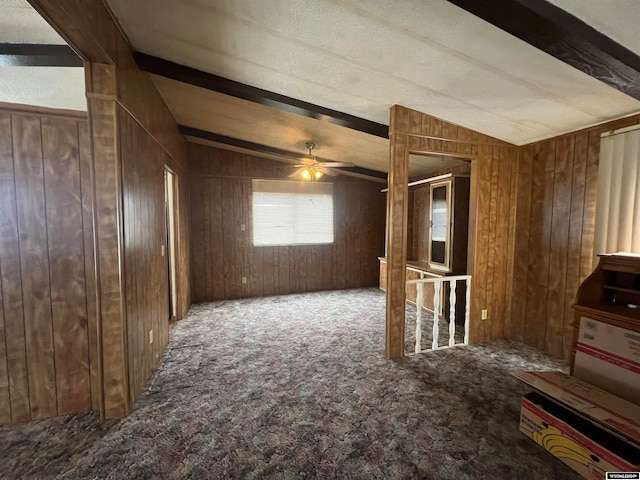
(440, 226)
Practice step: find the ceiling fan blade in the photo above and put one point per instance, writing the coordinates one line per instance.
(327, 171)
(296, 173)
(336, 164)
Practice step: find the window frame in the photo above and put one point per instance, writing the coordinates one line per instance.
(296, 185)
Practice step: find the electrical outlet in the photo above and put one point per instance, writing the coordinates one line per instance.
(150, 336)
(242, 227)
(244, 280)
(484, 314)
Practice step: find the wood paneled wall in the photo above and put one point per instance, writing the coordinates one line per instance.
(147, 298)
(48, 322)
(223, 253)
(492, 211)
(555, 219)
(133, 137)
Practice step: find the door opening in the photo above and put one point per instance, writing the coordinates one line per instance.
(170, 222)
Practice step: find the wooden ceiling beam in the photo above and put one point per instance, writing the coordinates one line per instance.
(192, 76)
(265, 149)
(38, 55)
(563, 36)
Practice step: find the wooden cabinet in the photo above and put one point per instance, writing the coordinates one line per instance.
(606, 333)
(439, 225)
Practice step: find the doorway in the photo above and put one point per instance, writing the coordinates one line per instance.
(170, 197)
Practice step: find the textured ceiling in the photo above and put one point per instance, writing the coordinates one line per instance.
(20, 23)
(362, 57)
(53, 87)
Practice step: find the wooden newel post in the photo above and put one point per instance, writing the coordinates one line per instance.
(397, 212)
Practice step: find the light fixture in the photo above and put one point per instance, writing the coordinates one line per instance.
(312, 171)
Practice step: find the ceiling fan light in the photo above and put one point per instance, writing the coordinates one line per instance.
(306, 174)
(318, 174)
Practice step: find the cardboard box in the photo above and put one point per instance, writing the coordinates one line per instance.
(609, 357)
(580, 445)
(590, 430)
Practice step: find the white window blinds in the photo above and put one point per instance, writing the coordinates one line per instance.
(292, 213)
(618, 206)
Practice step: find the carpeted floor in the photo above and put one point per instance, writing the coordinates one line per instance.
(298, 387)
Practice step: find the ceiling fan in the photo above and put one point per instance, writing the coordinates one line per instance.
(311, 169)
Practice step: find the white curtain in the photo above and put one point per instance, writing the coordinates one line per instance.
(618, 204)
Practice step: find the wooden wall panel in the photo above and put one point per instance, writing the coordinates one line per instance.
(66, 237)
(222, 251)
(493, 212)
(12, 279)
(119, 92)
(34, 263)
(86, 176)
(554, 232)
(562, 184)
(521, 243)
(45, 361)
(539, 235)
(147, 289)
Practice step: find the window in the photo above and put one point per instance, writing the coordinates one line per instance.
(440, 221)
(292, 213)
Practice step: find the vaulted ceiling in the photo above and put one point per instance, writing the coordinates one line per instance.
(269, 76)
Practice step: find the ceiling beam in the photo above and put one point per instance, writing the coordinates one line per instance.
(38, 55)
(265, 149)
(175, 71)
(563, 36)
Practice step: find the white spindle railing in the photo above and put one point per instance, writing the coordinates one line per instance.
(438, 307)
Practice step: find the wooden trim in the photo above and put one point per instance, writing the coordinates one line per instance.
(43, 111)
(38, 55)
(563, 36)
(265, 149)
(442, 152)
(176, 162)
(452, 140)
(192, 76)
(87, 27)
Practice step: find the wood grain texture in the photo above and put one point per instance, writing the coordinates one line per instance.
(222, 253)
(88, 26)
(109, 244)
(539, 243)
(396, 248)
(115, 83)
(12, 298)
(86, 180)
(5, 398)
(34, 260)
(492, 216)
(576, 215)
(562, 183)
(65, 236)
(555, 221)
(521, 243)
(480, 294)
(147, 290)
(44, 295)
(502, 159)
